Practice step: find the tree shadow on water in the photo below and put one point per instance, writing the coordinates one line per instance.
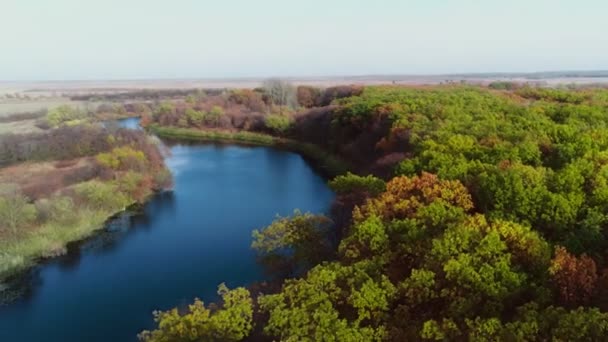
(22, 287)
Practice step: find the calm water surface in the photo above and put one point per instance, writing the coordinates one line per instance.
(182, 245)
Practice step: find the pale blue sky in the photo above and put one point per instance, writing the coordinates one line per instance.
(114, 39)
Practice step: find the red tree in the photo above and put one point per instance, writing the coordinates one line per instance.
(574, 277)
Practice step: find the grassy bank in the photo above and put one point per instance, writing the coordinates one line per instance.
(50, 239)
(327, 163)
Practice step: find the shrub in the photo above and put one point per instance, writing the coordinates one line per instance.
(195, 117)
(102, 196)
(278, 123)
(64, 114)
(353, 183)
(15, 209)
(232, 322)
(122, 158)
(58, 209)
(214, 115)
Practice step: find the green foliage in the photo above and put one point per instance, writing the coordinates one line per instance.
(305, 309)
(558, 324)
(122, 158)
(231, 322)
(459, 245)
(47, 239)
(528, 156)
(278, 123)
(368, 237)
(64, 114)
(102, 195)
(350, 183)
(164, 108)
(556, 95)
(502, 85)
(413, 265)
(192, 134)
(195, 117)
(214, 115)
(291, 243)
(477, 265)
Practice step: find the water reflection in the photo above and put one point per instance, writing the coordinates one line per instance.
(22, 286)
(130, 123)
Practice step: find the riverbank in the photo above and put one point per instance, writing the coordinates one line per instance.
(63, 193)
(327, 163)
(49, 240)
(60, 220)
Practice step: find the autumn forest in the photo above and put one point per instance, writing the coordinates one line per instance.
(461, 212)
(471, 213)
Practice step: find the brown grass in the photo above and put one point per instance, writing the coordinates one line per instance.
(38, 180)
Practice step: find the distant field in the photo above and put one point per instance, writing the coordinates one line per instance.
(25, 126)
(18, 106)
(64, 88)
(11, 106)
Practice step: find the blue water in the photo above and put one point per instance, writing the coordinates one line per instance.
(130, 123)
(182, 245)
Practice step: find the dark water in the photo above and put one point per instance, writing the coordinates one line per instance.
(181, 246)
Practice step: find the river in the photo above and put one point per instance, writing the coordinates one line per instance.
(180, 245)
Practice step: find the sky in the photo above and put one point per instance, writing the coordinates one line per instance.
(152, 39)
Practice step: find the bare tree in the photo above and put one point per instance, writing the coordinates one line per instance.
(281, 92)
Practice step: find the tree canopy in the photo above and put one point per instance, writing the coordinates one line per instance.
(490, 224)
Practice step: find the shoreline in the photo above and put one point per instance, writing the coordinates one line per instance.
(88, 225)
(12, 280)
(328, 164)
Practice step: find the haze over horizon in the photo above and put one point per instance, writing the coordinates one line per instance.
(73, 40)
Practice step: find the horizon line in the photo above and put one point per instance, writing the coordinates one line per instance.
(569, 73)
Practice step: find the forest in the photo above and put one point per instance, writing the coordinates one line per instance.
(472, 213)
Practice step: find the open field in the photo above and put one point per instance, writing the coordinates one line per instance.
(24, 126)
(11, 108)
(14, 106)
(42, 179)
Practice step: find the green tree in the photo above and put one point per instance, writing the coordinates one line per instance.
(292, 243)
(532, 323)
(306, 309)
(230, 322)
(214, 115)
(195, 117)
(123, 158)
(278, 123)
(164, 108)
(102, 195)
